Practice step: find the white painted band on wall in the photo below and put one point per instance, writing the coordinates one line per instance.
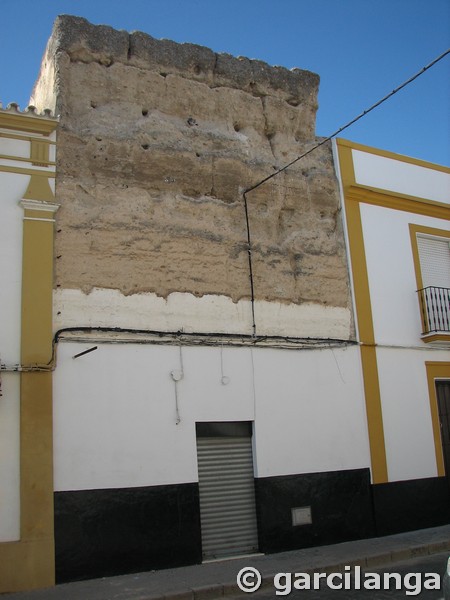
(184, 312)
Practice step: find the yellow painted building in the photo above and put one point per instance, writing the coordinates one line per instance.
(396, 216)
(27, 205)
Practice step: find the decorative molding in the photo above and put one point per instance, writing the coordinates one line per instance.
(26, 138)
(38, 171)
(28, 123)
(363, 307)
(397, 201)
(39, 153)
(39, 219)
(39, 189)
(392, 155)
(441, 339)
(40, 205)
(47, 163)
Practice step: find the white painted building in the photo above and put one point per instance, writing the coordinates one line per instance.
(27, 171)
(129, 418)
(397, 226)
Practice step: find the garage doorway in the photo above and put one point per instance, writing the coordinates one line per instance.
(227, 489)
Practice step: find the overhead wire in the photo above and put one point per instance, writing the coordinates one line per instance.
(306, 153)
(239, 338)
(352, 122)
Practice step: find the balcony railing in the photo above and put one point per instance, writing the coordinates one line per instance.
(435, 306)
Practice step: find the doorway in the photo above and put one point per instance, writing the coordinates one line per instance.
(227, 489)
(443, 401)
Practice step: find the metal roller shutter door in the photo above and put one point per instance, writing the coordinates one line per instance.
(227, 496)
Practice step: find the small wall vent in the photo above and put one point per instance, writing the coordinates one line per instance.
(301, 516)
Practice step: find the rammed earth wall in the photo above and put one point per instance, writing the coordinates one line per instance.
(157, 141)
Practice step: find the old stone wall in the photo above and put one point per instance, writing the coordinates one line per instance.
(157, 141)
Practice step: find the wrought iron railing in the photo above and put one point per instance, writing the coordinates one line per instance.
(435, 305)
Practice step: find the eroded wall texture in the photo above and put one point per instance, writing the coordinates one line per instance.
(157, 141)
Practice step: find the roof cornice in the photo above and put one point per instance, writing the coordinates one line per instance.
(28, 121)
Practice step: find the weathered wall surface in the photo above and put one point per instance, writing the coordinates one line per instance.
(157, 141)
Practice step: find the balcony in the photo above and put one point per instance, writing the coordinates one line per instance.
(435, 308)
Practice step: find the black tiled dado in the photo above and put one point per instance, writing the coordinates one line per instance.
(115, 531)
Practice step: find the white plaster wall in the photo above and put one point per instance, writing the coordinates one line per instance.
(409, 440)
(10, 458)
(401, 177)
(401, 353)
(392, 281)
(207, 314)
(115, 419)
(12, 147)
(52, 148)
(12, 188)
(310, 412)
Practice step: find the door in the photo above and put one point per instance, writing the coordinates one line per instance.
(443, 399)
(227, 489)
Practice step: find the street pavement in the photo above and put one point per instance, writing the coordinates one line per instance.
(217, 579)
(412, 575)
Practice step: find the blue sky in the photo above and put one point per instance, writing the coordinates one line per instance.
(362, 50)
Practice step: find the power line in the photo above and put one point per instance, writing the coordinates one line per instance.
(321, 143)
(347, 125)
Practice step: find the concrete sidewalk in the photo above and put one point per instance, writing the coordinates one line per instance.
(215, 579)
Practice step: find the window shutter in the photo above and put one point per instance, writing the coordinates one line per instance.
(434, 257)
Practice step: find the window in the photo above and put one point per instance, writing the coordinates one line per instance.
(434, 257)
(431, 249)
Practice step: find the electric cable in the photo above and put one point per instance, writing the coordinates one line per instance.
(250, 266)
(347, 125)
(312, 149)
(309, 342)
